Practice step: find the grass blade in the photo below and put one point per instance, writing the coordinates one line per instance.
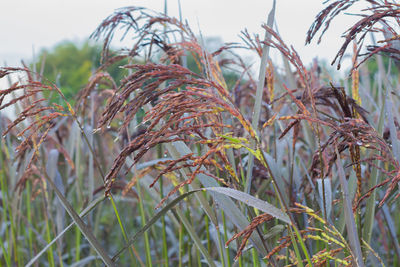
(153, 219)
(328, 195)
(89, 208)
(179, 149)
(82, 226)
(350, 222)
(195, 237)
(241, 196)
(252, 201)
(392, 229)
(370, 207)
(259, 94)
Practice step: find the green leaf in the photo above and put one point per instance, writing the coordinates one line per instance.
(258, 99)
(90, 207)
(349, 216)
(252, 201)
(238, 195)
(153, 219)
(179, 149)
(82, 226)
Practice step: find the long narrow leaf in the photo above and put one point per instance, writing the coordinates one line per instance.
(153, 219)
(82, 226)
(392, 229)
(196, 239)
(259, 94)
(349, 217)
(373, 181)
(252, 201)
(227, 205)
(90, 207)
(241, 196)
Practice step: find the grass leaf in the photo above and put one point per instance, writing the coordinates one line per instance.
(349, 217)
(252, 201)
(82, 226)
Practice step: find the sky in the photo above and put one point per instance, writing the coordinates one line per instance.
(28, 26)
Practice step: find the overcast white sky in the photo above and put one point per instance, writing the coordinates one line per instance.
(28, 25)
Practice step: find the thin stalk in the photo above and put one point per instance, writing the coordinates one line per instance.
(17, 208)
(369, 216)
(207, 226)
(91, 182)
(296, 248)
(189, 253)
(146, 235)
(78, 199)
(121, 226)
(6, 202)
(50, 255)
(198, 258)
(228, 256)
(184, 57)
(220, 245)
(164, 233)
(12, 248)
(180, 238)
(77, 244)
(29, 217)
(223, 255)
(7, 257)
(254, 255)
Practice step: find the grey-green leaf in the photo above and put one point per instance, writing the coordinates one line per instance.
(252, 201)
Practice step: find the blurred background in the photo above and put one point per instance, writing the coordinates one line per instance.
(28, 27)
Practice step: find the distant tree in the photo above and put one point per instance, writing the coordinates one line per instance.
(373, 67)
(70, 65)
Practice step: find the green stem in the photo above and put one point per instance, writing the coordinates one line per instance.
(146, 235)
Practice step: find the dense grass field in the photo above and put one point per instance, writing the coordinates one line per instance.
(196, 158)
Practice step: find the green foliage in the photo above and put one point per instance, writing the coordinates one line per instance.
(70, 66)
(373, 67)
